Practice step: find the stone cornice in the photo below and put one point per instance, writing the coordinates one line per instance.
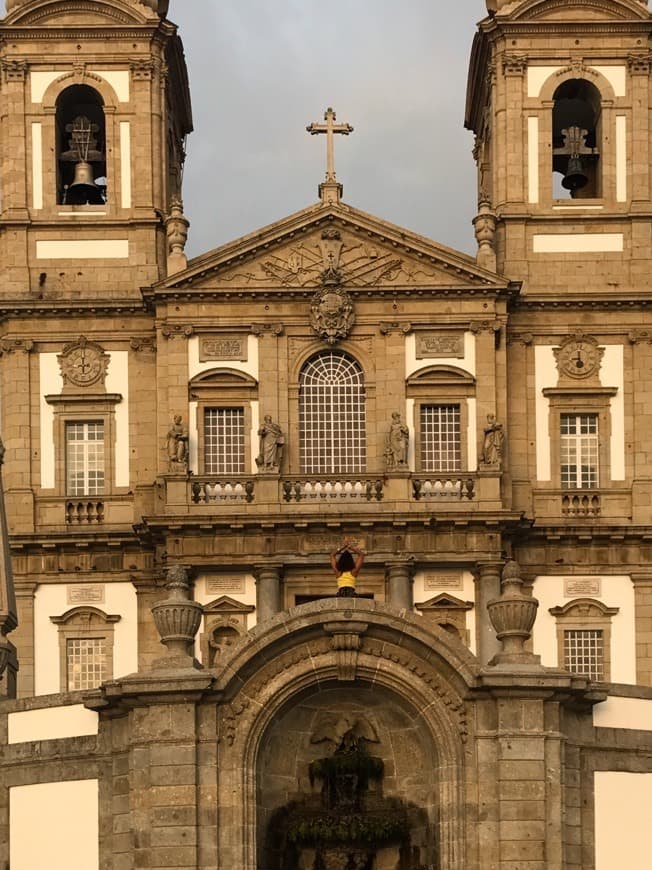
(89, 307)
(284, 293)
(608, 302)
(59, 33)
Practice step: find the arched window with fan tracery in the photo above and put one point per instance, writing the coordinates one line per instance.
(332, 415)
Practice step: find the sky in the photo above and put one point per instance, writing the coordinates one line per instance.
(262, 70)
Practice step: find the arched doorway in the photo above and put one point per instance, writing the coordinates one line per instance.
(338, 666)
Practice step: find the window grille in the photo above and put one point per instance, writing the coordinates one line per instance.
(85, 458)
(86, 662)
(584, 652)
(332, 417)
(440, 436)
(224, 441)
(579, 451)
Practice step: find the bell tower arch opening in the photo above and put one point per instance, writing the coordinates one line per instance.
(576, 140)
(81, 147)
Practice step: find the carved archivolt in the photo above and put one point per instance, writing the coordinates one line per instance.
(345, 651)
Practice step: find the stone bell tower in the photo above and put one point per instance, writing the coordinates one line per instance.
(95, 111)
(559, 100)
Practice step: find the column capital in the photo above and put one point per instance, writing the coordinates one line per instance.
(261, 569)
(400, 564)
(490, 567)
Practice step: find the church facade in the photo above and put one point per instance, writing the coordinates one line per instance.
(186, 443)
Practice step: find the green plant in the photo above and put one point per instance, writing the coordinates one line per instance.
(329, 829)
(366, 767)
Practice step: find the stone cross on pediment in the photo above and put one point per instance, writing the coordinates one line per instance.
(330, 190)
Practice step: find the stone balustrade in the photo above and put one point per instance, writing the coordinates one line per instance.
(443, 488)
(221, 490)
(360, 488)
(84, 513)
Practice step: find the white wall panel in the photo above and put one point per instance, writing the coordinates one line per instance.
(51, 600)
(616, 591)
(52, 723)
(622, 820)
(54, 825)
(50, 384)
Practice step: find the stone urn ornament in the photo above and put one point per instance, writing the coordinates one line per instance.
(513, 616)
(177, 619)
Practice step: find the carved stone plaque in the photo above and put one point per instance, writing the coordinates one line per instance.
(220, 585)
(223, 347)
(582, 587)
(448, 580)
(440, 345)
(91, 594)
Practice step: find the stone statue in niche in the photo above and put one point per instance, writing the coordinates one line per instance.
(177, 446)
(398, 439)
(494, 442)
(272, 442)
(331, 313)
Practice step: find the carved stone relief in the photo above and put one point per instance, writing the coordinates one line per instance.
(337, 256)
(331, 314)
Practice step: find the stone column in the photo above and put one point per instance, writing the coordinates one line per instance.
(487, 587)
(268, 591)
(399, 582)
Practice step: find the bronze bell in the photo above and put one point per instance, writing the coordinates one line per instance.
(575, 178)
(83, 190)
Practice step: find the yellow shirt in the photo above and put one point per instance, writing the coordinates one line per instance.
(346, 578)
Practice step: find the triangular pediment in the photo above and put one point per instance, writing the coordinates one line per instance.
(225, 605)
(297, 254)
(444, 601)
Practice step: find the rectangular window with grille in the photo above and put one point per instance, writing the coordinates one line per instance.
(440, 438)
(224, 441)
(579, 451)
(584, 652)
(85, 458)
(86, 662)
